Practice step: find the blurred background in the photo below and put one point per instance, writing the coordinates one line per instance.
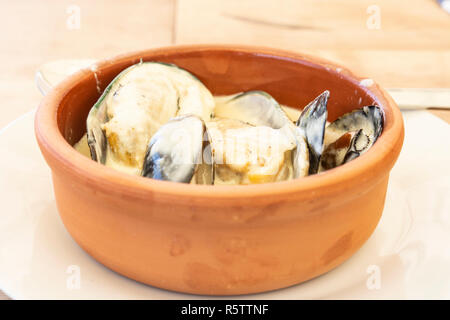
(397, 43)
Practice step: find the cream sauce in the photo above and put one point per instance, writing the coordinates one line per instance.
(82, 147)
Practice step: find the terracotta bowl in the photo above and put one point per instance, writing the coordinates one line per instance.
(220, 240)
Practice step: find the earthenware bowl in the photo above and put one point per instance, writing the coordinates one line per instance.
(220, 240)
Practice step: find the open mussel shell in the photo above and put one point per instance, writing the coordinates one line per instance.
(351, 135)
(312, 122)
(136, 103)
(178, 151)
(257, 108)
(370, 119)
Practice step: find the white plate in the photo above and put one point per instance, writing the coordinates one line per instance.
(408, 256)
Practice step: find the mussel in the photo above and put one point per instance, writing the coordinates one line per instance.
(255, 107)
(259, 108)
(247, 154)
(136, 104)
(179, 151)
(351, 135)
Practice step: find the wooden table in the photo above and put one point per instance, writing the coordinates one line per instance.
(396, 43)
